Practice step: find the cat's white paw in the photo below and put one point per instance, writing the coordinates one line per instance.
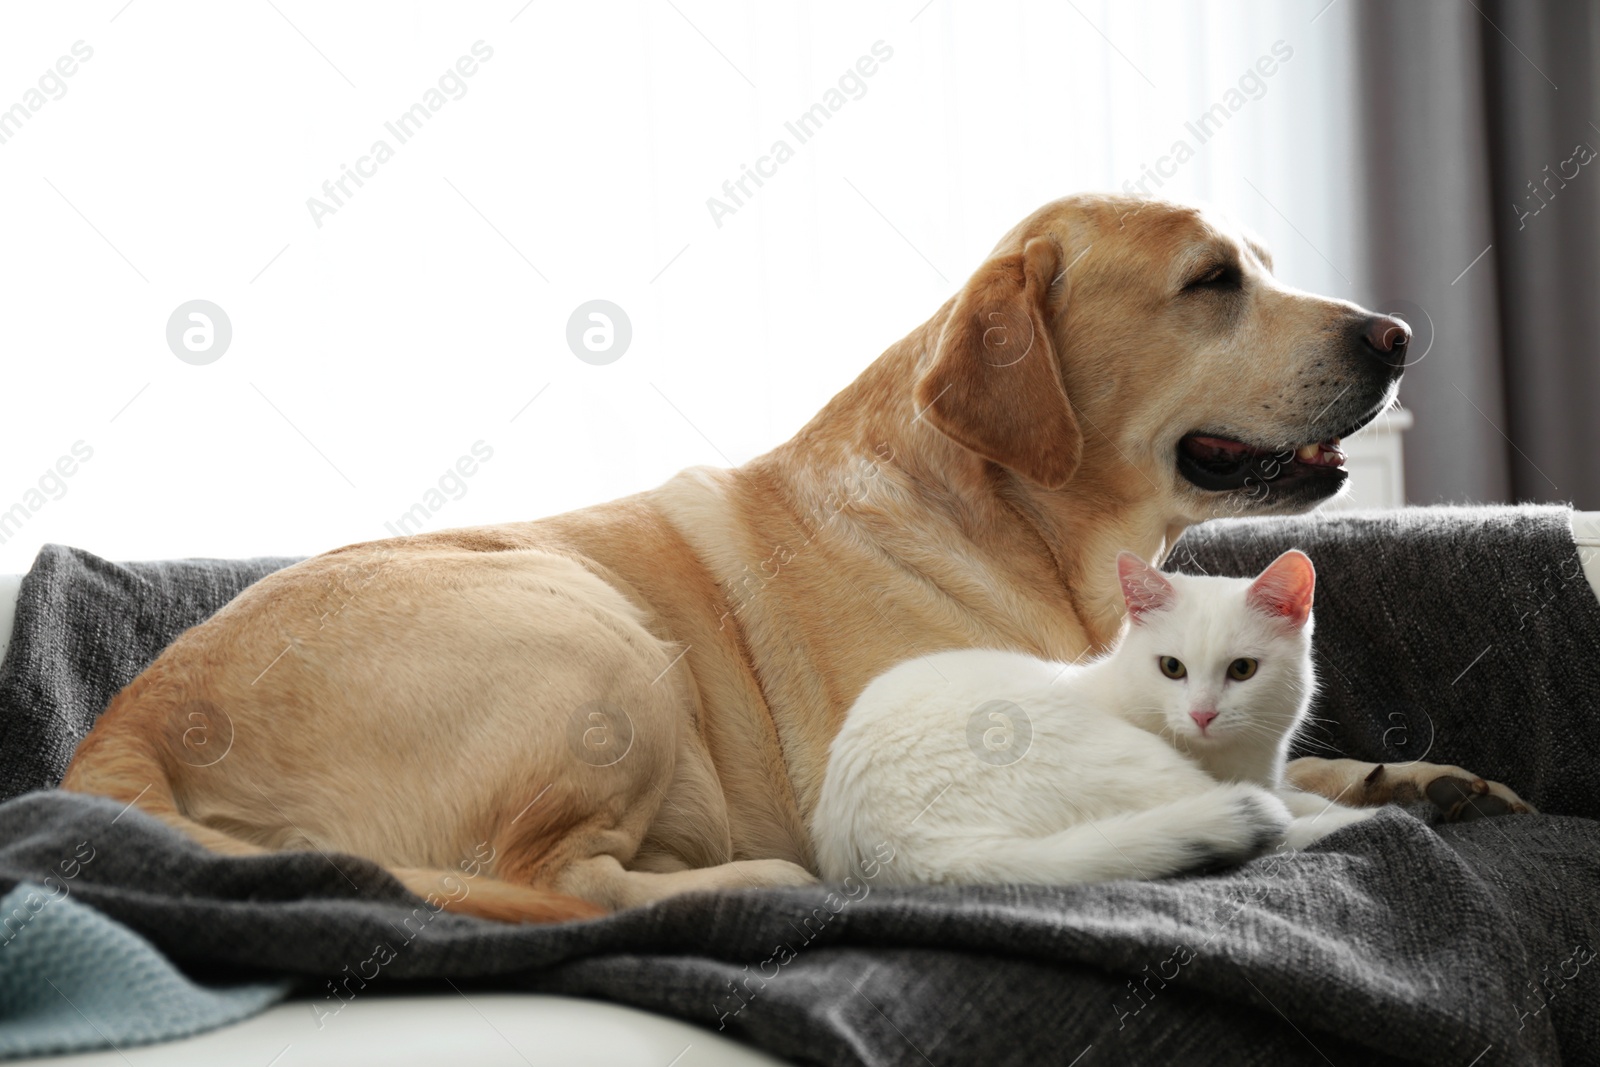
(1248, 820)
(1308, 829)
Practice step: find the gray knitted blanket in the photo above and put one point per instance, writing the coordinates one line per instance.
(1455, 635)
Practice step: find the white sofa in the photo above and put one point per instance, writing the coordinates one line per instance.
(481, 1029)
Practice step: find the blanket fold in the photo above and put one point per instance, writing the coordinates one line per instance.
(71, 979)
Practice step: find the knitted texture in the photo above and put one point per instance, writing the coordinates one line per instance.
(1463, 636)
(72, 979)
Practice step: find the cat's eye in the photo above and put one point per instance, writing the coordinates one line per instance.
(1172, 666)
(1241, 668)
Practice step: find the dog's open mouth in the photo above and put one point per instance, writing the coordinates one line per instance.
(1220, 463)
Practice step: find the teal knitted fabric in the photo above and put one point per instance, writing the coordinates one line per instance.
(73, 979)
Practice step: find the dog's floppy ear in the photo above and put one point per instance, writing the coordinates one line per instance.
(994, 385)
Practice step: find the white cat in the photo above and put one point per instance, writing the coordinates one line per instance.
(1164, 755)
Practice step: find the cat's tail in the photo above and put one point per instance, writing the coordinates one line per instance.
(1226, 824)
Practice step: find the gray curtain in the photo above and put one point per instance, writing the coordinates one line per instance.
(1482, 167)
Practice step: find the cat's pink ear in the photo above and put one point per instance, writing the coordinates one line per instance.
(1143, 587)
(1284, 590)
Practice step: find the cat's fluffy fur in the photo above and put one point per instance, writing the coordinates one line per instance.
(989, 766)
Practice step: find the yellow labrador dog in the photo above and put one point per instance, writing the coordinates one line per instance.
(608, 707)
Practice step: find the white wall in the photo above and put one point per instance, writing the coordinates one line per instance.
(377, 349)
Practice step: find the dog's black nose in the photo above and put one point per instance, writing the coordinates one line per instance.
(1388, 336)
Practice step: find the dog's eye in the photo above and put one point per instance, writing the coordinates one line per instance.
(1221, 276)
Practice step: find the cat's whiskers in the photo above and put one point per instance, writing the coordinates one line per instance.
(1250, 731)
(1232, 728)
(1250, 728)
(1315, 745)
(1310, 726)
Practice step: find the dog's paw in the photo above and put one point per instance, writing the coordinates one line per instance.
(1463, 797)
(1458, 793)
(776, 873)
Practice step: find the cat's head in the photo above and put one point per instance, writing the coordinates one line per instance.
(1215, 663)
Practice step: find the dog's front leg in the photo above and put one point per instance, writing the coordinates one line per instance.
(1458, 793)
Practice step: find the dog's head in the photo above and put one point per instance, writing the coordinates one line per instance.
(1155, 337)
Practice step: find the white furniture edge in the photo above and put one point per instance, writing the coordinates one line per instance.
(481, 1029)
(1586, 532)
(10, 586)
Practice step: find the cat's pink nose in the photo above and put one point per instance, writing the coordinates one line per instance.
(1202, 718)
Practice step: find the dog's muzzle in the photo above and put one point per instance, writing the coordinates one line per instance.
(1313, 468)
